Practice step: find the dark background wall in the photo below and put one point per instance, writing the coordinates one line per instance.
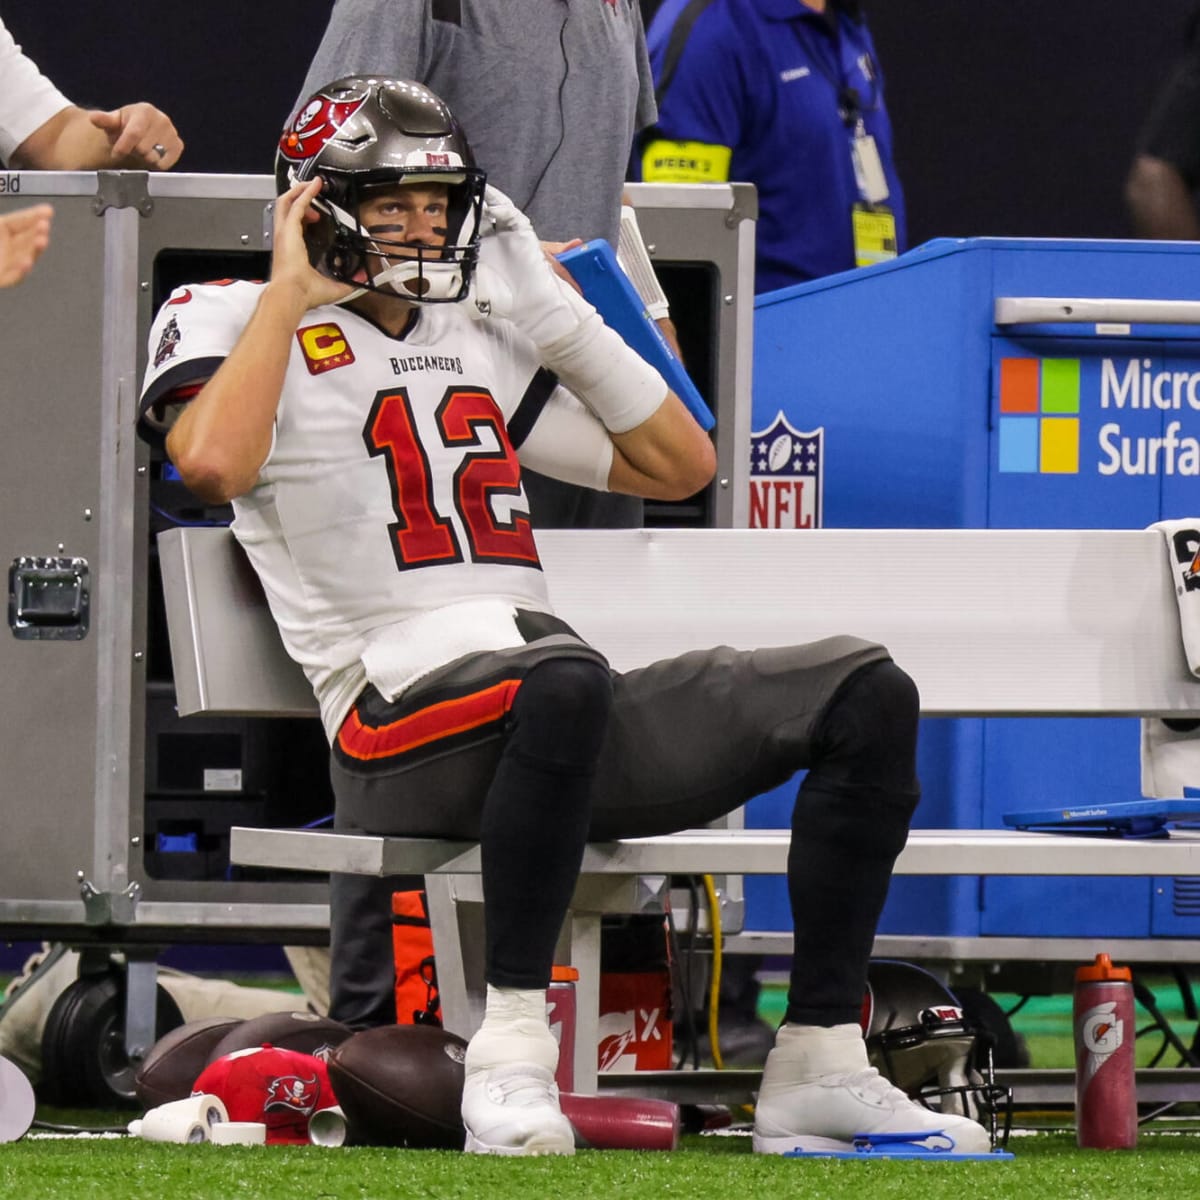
(1013, 117)
(1020, 117)
(227, 71)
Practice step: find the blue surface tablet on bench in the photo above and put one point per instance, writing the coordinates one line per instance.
(595, 268)
(1129, 818)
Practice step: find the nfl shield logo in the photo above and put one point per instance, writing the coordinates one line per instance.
(785, 476)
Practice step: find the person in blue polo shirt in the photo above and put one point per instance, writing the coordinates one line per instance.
(787, 95)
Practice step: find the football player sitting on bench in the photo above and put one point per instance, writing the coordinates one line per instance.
(368, 412)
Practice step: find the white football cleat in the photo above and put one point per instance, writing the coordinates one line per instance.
(830, 1112)
(513, 1109)
(818, 1092)
(510, 1100)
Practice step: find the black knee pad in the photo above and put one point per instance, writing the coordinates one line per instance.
(868, 735)
(560, 715)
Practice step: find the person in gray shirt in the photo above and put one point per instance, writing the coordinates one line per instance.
(550, 92)
(553, 91)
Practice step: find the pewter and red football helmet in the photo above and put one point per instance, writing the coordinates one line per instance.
(918, 1037)
(359, 133)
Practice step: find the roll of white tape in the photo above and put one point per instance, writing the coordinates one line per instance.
(210, 1110)
(186, 1120)
(239, 1133)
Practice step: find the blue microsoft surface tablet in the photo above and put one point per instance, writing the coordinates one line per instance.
(1136, 818)
(595, 268)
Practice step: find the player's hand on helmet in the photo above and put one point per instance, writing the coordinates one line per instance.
(290, 265)
(515, 280)
(140, 134)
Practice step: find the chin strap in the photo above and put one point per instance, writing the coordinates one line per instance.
(444, 279)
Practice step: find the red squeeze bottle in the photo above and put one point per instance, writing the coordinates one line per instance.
(560, 1009)
(1105, 1083)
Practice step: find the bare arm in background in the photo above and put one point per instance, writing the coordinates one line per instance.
(1160, 202)
(76, 139)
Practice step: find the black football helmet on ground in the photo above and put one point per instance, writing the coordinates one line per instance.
(918, 1037)
(359, 133)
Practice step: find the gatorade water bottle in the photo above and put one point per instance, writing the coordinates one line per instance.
(1105, 1084)
(560, 1009)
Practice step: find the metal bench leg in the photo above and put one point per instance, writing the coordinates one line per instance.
(585, 958)
(456, 922)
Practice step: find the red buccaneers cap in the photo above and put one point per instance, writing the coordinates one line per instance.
(280, 1088)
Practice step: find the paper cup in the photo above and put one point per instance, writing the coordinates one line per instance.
(327, 1127)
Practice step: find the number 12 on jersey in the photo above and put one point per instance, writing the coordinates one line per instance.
(421, 537)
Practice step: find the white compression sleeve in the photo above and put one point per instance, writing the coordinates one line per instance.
(594, 362)
(567, 442)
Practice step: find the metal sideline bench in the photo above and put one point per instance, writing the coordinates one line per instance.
(988, 622)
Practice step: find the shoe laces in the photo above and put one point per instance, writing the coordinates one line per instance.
(877, 1086)
(521, 1087)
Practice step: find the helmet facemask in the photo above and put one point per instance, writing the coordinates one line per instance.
(360, 134)
(918, 1037)
(420, 273)
(944, 1063)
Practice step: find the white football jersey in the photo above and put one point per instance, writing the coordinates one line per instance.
(388, 524)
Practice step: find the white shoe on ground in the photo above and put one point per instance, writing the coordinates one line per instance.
(510, 1100)
(514, 1109)
(818, 1093)
(828, 1113)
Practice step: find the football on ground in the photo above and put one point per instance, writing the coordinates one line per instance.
(304, 1032)
(170, 1068)
(401, 1085)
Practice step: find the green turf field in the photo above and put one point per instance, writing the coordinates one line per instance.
(1047, 1165)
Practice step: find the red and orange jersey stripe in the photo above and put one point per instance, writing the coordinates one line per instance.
(441, 720)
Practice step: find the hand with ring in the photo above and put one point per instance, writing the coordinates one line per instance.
(139, 135)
